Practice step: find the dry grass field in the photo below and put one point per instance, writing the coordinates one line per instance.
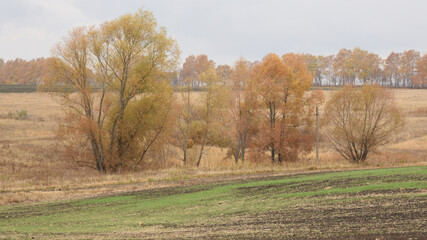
(32, 167)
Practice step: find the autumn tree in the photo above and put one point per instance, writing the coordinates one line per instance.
(359, 120)
(242, 107)
(371, 71)
(211, 102)
(357, 66)
(408, 66)
(327, 76)
(420, 79)
(287, 118)
(182, 138)
(193, 67)
(391, 69)
(189, 76)
(342, 67)
(314, 66)
(224, 73)
(129, 59)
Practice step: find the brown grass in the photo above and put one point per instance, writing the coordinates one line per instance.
(33, 168)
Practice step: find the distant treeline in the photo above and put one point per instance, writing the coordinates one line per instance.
(407, 69)
(348, 67)
(22, 72)
(23, 88)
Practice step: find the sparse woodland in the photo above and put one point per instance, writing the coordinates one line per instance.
(121, 111)
(127, 103)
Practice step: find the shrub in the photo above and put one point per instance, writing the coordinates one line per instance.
(17, 115)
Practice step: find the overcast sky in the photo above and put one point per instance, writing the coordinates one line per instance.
(227, 29)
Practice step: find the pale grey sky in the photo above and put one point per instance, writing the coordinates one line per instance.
(227, 29)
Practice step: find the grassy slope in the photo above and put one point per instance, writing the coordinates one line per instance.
(258, 208)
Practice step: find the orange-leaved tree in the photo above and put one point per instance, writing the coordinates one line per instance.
(286, 110)
(243, 105)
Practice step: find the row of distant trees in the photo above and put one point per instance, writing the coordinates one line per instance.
(357, 67)
(348, 67)
(22, 72)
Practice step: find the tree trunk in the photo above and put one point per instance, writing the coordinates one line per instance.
(188, 124)
(245, 135)
(203, 144)
(184, 159)
(272, 154)
(243, 148)
(237, 152)
(184, 149)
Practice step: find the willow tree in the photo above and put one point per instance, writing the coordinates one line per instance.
(129, 60)
(359, 120)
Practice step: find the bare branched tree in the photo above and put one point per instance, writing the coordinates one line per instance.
(359, 120)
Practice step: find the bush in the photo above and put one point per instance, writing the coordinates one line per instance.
(17, 115)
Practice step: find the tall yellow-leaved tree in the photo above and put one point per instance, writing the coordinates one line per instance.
(113, 83)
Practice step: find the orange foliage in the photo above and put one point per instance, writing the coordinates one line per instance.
(285, 128)
(20, 71)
